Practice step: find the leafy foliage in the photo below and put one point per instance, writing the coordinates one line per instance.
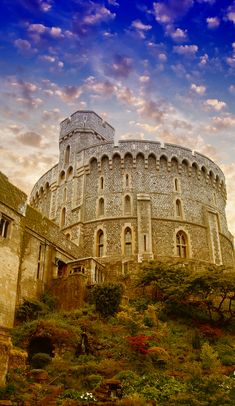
(210, 290)
(107, 298)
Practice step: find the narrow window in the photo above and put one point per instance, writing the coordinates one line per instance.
(65, 195)
(181, 244)
(4, 226)
(101, 183)
(178, 208)
(101, 207)
(39, 261)
(67, 154)
(128, 242)
(100, 244)
(63, 217)
(127, 205)
(145, 242)
(127, 180)
(176, 185)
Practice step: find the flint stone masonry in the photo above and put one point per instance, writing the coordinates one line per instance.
(99, 189)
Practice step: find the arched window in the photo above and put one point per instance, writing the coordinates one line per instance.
(128, 242)
(178, 207)
(182, 244)
(101, 183)
(100, 243)
(62, 177)
(63, 217)
(127, 180)
(127, 204)
(70, 173)
(67, 154)
(101, 207)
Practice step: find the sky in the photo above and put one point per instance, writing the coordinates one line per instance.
(158, 70)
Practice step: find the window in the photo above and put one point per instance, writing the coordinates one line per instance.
(70, 173)
(101, 207)
(100, 243)
(39, 261)
(127, 205)
(4, 226)
(67, 154)
(128, 242)
(145, 242)
(178, 208)
(176, 185)
(127, 180)
(65, 195)
(181, 244)
(101, 183)
(62, 177)
(63, 217)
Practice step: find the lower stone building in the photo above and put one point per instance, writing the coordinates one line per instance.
(34, 255)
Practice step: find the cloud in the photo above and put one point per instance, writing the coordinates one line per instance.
(14, 128)
(36, 5)
(90, 15)
(187, 50)
(30, 139)
(68, 93)
(213, 22)
(231, 13)
(138, 25)
(144, 79)
(38, 30)
(121, 67)
(232, 89)
(170, 10)
(105, 88)
(214, 104)
(203, 60)
(23, 45)
(222, 123)
(198, 89)
(231, 59)
(146, 127)
(179, 35)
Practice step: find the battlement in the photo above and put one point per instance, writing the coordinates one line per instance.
(85, 120)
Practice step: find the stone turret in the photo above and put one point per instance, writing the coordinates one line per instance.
(87, 121)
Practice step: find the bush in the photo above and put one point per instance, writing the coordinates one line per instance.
(209, 357)
(30, 309)
(40, 360)
(107, 298)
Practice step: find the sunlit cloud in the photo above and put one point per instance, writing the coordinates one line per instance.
(185, 49)
(213, 22)
(199, 89)
(214, 104)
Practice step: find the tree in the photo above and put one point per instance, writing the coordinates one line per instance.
(212, 289)
(107, 298)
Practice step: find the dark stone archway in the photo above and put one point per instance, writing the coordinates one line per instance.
(40, 344)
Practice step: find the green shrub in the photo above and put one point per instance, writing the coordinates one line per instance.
(107, 298)
(40, 360)
(30, 309)
(209, 357)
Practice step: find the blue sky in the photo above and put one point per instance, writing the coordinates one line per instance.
(159, 70)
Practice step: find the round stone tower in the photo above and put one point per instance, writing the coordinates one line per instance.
(134, 201)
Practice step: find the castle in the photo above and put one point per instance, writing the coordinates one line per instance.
(103, 210)
(134, 201)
